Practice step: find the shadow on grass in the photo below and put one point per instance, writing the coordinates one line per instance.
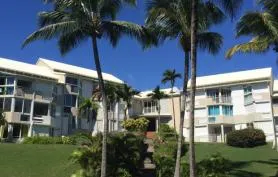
(237, 168)
(237, 171)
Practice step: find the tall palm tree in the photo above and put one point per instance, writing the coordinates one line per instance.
(127, 93)
(262, 26)
(157, 95)
(171, 76)
(230, 7)
(75, 21)
(89, 108)
(171, 19)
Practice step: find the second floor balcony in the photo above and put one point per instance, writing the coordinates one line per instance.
(30, 93)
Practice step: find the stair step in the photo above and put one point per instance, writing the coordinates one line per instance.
(149, 166)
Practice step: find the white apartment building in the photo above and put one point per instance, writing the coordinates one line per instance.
(42, 98)
(224, 102)
(233, 101)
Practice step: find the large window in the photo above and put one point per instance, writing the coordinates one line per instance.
(213, 110)
(7, 104)
(70, 100)
(40, 109)
(150, 106)
(27, 106)
(248, 96)
(227, 110)
(71, 80)
(18, 105)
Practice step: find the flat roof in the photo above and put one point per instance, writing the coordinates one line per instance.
(26, 68)
(234, 77)
(67, 68)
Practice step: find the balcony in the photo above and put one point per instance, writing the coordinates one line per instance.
(218, 100)
(28, 93)
(16, 117)
(275, 109)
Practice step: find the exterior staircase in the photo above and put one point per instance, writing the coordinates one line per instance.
(148, 169)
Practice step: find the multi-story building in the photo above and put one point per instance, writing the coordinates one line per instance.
(232, 101)
(224, 102)
(42, 99)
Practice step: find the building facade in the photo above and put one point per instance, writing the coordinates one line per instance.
(42, 99)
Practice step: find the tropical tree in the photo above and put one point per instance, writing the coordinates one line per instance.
(127, 93)
(262, 26)
(171, 19)
(75, 21)
(228, 6)
(113, 98)
(89, 109)
(171, 76)
(157, 95)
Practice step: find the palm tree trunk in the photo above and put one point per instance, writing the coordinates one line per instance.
(183, 109)
(172, 98)
(125, 118)
(104, 104)
(193, 55)
(158, 115)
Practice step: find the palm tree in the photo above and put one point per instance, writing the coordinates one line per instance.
(172, 19)
(171, 76)
(230, 7)
(262, 26)
(75, 21)
(88, 108)
(127, 93)
(157, 95)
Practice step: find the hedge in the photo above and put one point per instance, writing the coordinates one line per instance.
(246, 138)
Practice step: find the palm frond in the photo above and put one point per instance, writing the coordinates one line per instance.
(231, 7)
(256, 45)
(210, 41)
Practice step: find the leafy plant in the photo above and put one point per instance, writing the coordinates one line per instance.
(135, 125)
(125, 156)
(246, 138)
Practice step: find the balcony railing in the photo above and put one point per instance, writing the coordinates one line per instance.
(222, 99)
(28, 93)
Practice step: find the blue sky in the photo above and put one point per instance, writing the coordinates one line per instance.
(141, 69)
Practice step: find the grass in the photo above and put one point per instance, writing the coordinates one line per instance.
(255, 162)
(28, 160)
(24, 160)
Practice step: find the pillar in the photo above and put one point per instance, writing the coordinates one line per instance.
(10, 131)
(30, 131)
(222, 134)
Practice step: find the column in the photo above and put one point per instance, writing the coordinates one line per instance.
(222, 134)
(13, 105)
(30, 131)
(10, 132)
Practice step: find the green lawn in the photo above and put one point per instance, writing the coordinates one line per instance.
(255, 162)
(24, 160)
(20, 160)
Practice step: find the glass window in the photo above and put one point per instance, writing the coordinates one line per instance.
(1, 103)
(213, 110)
(10, 81)
(27, 106)
(40, 109)
(71, 80)
(150, 106)
(7, 104)
(227, 110)
(70, 100)
(9, 90)
(2, 81)
(18, 105)
(67, 110)
(248, 97)
(73, 123)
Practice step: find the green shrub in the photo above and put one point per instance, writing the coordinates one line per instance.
(246, 138)
(125, 155)
(166, 132)
(135, 125)
(81, 139)
(165, 151)
(42, 140)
